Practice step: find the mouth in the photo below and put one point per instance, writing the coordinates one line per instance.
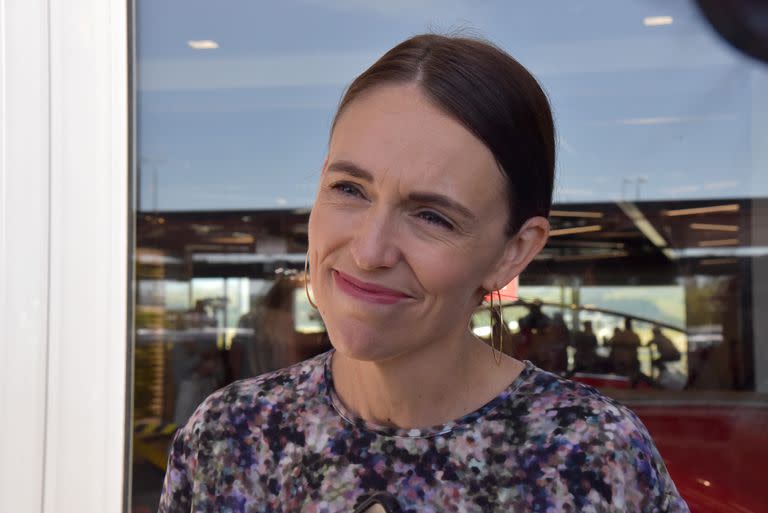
(368, 291)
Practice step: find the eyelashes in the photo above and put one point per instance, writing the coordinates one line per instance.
(435, 218)
(347, 188)
(430, 217)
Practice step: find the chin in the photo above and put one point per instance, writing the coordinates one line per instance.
(362, 342)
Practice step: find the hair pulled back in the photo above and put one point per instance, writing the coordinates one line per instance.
(492, 95)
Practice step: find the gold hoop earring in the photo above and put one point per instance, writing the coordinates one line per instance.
(306, 281)
(497, 354)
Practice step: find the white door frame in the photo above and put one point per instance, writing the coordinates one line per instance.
(64, 254)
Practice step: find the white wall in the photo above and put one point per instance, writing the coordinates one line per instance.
(64, 187)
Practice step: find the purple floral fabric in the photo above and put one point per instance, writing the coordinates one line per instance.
(283, 442)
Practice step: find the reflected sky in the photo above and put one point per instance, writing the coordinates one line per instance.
(649, 112)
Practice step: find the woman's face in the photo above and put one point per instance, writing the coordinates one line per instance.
(408, 226)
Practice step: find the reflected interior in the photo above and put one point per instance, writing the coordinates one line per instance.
(652, 286)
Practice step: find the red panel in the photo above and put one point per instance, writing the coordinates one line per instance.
(717, 456)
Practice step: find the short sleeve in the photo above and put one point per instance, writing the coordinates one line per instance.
(177, 486)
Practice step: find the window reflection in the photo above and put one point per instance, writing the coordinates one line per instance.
(652, 285)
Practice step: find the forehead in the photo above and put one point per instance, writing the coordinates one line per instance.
(395, 131)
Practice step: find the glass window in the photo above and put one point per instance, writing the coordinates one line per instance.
(651, 287)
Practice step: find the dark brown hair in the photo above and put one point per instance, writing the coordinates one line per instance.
(493, 96)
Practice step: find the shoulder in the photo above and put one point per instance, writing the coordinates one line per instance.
(569, 413)
(565, 402)
(258, 401)
(235, 424)
(595, 440)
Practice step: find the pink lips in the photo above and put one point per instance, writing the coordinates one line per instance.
(367, 291)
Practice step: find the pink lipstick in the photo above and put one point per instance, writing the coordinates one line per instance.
(368, 291)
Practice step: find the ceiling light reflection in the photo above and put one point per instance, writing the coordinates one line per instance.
(642, 223)
(731, 207)
(739, 251)
(244, 239)
(575, 229)
(656, 21)
(202, 44)
(575, 213)
(719, 242)
(715, 227)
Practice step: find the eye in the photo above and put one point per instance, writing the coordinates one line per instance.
(347, 188)
(435, 219)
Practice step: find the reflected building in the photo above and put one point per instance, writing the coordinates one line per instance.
(241, 273)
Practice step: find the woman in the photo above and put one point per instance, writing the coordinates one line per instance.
(435, 192)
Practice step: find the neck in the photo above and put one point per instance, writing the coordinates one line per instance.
(433, 385)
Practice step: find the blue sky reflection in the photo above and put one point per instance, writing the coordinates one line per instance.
(659, 112)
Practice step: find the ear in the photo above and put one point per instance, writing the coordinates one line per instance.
(518, 252)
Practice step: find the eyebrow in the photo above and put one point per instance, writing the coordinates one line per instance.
(440, 200)
(350, 168)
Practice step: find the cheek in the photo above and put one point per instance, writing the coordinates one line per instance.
(328, 227)
(447, 275)
(327, 232)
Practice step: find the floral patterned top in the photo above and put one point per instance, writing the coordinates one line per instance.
(283, 442)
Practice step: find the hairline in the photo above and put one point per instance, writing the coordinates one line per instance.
(418, 81)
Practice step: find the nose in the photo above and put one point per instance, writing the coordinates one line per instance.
(376, 242)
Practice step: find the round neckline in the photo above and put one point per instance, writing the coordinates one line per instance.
(464, 421)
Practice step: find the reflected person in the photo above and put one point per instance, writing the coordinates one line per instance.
(533, 335)
(667, 352)
(624, 345)
(435, 192)
(585, 343)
